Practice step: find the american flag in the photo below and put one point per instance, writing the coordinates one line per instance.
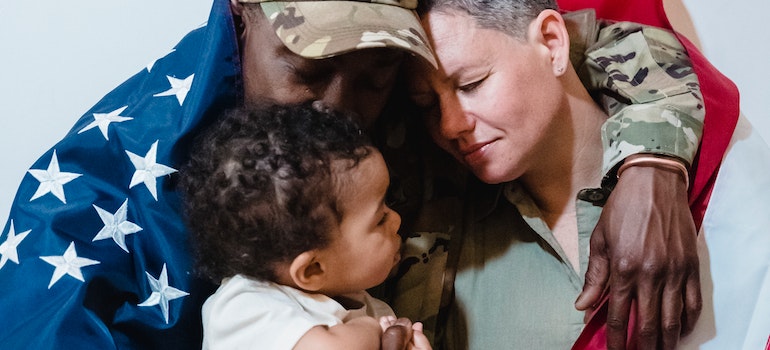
(94, 254)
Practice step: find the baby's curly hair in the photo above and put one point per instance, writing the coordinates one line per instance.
(260, 186)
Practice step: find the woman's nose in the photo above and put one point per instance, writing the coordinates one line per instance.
(454, 121)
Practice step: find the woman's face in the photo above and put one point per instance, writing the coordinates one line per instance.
(494, 98)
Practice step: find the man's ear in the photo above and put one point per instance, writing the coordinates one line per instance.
(307, 272)
(236, 7)
(550, 30)
(240, 17)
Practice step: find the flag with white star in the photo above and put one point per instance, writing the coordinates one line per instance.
(95, 253)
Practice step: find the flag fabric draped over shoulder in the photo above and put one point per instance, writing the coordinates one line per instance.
(94, 255)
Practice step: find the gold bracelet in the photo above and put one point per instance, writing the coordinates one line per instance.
(660, 163)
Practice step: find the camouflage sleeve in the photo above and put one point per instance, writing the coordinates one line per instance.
(645, 81)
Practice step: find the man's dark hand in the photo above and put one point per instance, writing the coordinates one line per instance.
(644, 248)
(396, 333)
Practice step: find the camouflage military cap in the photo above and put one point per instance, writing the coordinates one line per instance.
(326, 28)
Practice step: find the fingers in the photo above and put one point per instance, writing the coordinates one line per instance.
(386, 321)
(648, 326)
(666, 311)
(693, 302)
(419, 340)
(403, 321)
(597, 274)
(671, 314)
(395, 337)
(618, 311)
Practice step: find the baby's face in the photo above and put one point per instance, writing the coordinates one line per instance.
(367, 245)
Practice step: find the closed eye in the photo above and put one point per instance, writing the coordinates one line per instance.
(383, 219)
(309, 74)
(375, 82)
(312, 77)
(472, 86)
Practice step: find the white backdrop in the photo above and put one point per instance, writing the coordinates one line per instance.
(59, 58)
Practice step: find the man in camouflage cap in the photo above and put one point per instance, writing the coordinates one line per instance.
(321, 29)
(342, 53)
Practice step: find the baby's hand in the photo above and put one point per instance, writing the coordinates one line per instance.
(396, 333)
(419, 340)
(388, 321)
(402, 334)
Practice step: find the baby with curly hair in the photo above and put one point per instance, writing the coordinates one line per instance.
(287, 209)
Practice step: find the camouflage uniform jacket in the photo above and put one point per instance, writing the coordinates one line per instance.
(643, 78)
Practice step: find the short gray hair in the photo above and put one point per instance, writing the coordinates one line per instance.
(509, 16)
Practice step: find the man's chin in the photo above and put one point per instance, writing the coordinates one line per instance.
(488, 177)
